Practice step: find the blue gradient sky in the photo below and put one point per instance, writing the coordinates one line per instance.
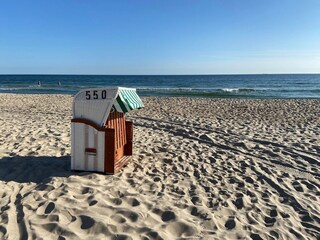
(159, 37)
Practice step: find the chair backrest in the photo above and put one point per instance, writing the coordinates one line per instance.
(117, 122)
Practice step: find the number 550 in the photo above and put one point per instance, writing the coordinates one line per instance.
(95, 94)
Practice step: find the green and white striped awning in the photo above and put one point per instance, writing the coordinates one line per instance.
(127, 100)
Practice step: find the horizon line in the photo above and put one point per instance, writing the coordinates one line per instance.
(175, 74)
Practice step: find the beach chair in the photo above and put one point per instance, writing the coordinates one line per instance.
(101, 138)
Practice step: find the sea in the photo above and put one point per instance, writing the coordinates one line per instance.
(209, 86)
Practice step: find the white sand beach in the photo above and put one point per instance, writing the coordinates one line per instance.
(201, 169)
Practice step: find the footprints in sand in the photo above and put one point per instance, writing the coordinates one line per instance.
(86, 222)
(93, 202)
(244, 182)
(255, 236)
(168, 216)
(231, 173)
(230, 223)
(181, 229)
(32, 131)
(50, 207)
(238, 203)
(129, 215)
(133, 202)
(269, 221)
(3, 232)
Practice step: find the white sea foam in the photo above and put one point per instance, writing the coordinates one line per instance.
(164, 89)
(230, 89)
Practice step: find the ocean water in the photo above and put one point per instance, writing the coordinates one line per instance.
(211, 86)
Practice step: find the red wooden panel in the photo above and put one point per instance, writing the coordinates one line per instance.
(112, 120)
(120, 131)
(124, 138)
(119, 154)
(129, 135)
(109, 158)
(117, 129)
(117, 122)
(122, 162)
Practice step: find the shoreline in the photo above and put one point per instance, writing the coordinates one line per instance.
(163, 96)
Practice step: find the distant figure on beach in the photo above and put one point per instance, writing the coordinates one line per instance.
(59, 83)
(39, 83)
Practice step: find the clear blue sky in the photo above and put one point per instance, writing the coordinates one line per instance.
(159, 37)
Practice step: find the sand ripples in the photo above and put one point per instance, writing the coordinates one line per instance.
(217, 169)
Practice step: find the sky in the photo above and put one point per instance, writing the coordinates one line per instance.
(159, 36)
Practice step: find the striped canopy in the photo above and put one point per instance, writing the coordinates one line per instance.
(95, 104)
(127, 100)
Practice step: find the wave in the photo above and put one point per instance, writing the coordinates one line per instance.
(241, 89)
(182, 89)
(202, 92)
(227, 92)
(164, 89)
(36, 89)
(288, 90)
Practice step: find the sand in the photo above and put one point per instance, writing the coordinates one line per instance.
(202, 169)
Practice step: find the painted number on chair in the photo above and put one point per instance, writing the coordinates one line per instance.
(95, 94)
